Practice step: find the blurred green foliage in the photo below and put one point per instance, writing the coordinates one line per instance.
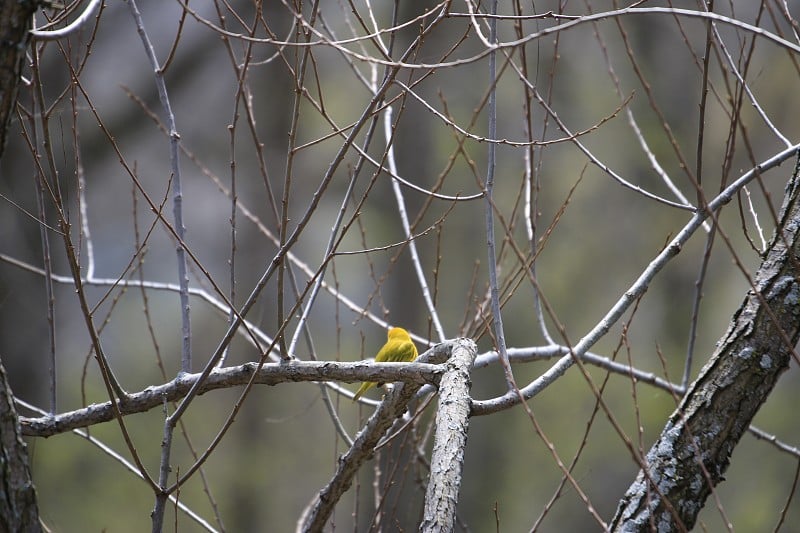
(282, 447)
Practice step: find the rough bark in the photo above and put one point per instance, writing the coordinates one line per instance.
(18, 508)
(693, 452)
(269, 374)
(15, 21)
(450, 440)
(393, 406)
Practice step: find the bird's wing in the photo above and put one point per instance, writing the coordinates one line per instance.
(404, 352)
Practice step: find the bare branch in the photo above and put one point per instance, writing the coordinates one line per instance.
(452, 421)
(392, 407)
(224, 378)
(693, 452)
(72, 27)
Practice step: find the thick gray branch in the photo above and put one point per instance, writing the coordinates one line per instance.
(393, 406)
(693, 452)
(450, 441)
(269, 374)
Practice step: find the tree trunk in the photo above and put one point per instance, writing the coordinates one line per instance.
(15, 21)
(18, 508)
(694, 449)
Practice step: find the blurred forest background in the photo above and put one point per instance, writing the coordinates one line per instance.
(266, 117)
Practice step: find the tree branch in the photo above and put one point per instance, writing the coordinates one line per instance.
(693, 452)
(452, 422)
(269, 374)
(394, 405)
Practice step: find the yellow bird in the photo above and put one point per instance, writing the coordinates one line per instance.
(399, 348)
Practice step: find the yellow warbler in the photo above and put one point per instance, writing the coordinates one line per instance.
(399, 348)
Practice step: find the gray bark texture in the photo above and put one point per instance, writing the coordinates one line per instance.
(450, 439)
(693, 451)
(15, 21)
(391, 408)
(19, 511)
